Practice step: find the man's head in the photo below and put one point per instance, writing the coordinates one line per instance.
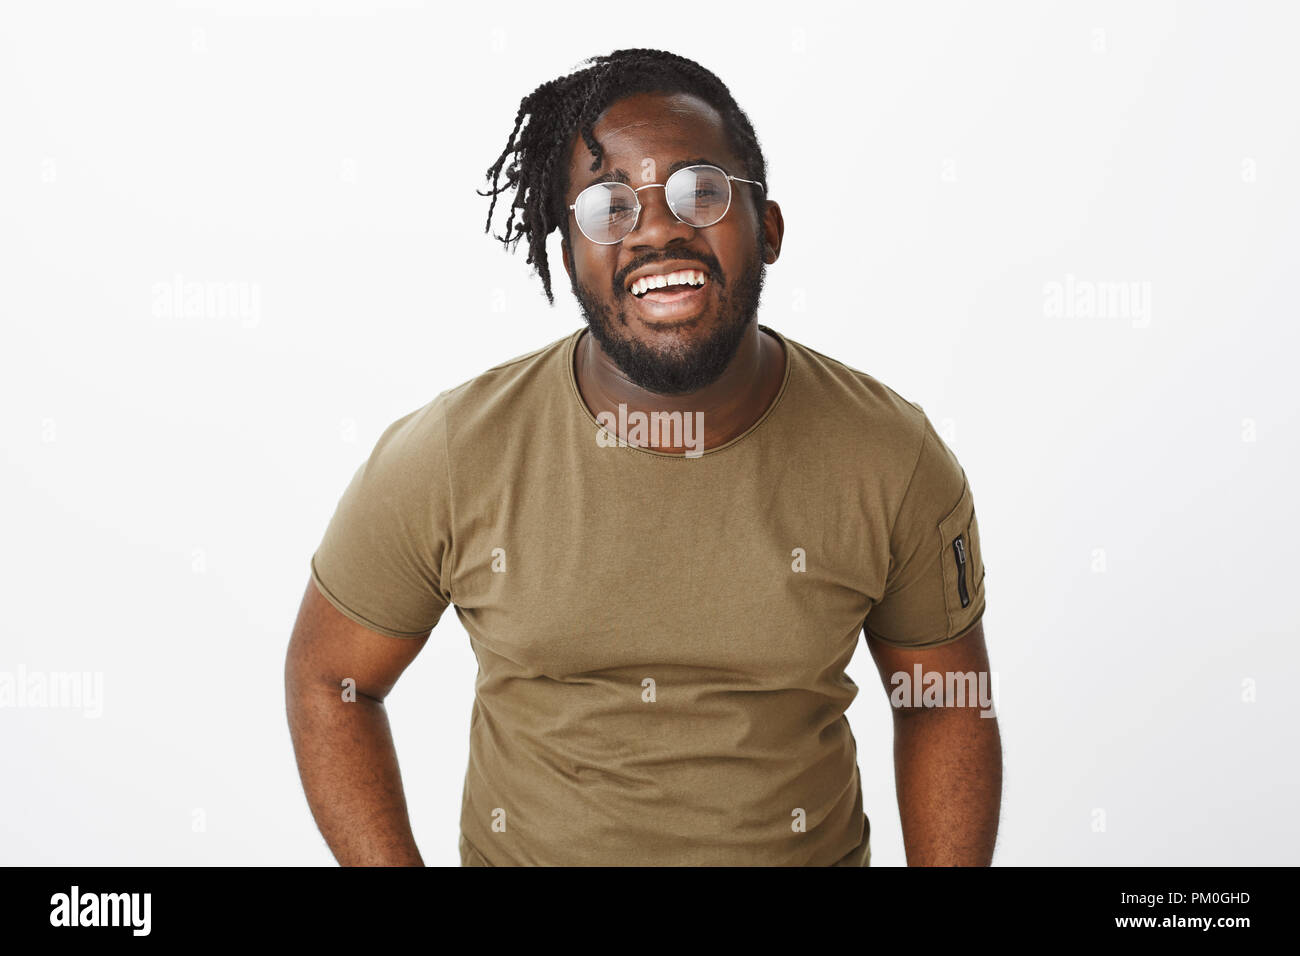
(636, 117)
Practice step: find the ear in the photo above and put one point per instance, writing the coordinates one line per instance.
(773, 231)
(568, 261)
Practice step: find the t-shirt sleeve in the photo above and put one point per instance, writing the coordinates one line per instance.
(934, 590)
(382, 557)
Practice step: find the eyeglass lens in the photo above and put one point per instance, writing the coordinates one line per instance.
(698, 195)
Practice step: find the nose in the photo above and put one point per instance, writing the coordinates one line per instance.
(656, 225)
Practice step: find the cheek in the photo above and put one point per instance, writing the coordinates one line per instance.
(595, 268)
(735, 251)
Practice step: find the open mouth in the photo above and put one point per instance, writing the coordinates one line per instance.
(666, 287)
(671, 295)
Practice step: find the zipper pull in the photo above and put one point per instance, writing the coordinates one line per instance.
(959, 549)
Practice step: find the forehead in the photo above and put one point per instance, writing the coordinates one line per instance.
(663, 127)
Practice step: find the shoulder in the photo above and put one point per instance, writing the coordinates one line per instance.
(862, 412)
(493, 400)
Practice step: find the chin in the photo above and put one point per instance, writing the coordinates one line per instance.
(689, 355)
(689, 352)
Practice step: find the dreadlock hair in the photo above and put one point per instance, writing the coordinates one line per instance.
(539, 171)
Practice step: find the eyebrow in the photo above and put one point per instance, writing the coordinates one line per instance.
(621, 176)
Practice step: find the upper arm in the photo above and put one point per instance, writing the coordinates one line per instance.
(328, 646)
(934, 589)
(376, 588)
(963, 655)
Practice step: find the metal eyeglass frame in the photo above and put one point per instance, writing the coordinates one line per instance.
(664, 186)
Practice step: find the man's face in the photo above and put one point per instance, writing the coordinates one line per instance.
(683, 343)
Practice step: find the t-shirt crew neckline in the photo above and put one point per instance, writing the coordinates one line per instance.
(572, 377)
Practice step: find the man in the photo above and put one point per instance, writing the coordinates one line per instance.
(663, 534)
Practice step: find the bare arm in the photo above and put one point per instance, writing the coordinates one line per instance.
(947, 760)
(345, 749)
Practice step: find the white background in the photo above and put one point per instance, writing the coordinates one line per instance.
(167, 477)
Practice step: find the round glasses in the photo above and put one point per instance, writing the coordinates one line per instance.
(697, 195)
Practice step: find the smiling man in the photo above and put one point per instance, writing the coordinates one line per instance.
(662, 615)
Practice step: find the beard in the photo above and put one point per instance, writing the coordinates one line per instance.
(685, 367)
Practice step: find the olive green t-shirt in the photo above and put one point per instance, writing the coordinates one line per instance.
(661, 638)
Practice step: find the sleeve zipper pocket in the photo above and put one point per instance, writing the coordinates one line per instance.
(959, 549)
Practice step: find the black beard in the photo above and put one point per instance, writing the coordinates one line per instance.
(680, 370)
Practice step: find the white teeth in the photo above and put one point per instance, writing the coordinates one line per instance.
(683, 277)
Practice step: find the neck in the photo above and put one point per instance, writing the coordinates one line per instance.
(728, 407)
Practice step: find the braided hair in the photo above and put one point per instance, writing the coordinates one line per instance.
(539, 171)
